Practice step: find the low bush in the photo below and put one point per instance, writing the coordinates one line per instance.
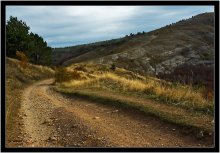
(113, 67)
(23, 58)
(63, 75)
(81, 68)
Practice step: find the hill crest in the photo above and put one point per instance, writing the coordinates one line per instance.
(186, 42)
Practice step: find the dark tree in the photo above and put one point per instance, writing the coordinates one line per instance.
(33, 45)
(131, 34)
(16, 36)
(38, 50)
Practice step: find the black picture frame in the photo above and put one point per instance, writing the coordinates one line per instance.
(94, 3)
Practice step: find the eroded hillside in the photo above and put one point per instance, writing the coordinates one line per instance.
(188, 41)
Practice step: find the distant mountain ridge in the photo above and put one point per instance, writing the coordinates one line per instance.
(189, 41)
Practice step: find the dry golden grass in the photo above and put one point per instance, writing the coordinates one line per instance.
(179, 104)
(172, 114)
(182, 95)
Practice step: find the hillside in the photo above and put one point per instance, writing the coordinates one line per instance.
(94, 105)
(188, 41)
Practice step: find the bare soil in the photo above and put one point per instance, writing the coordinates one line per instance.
(49, 119)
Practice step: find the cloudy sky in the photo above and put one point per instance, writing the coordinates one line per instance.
(64, 26)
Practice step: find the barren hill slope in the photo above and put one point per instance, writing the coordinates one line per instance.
(188, 41)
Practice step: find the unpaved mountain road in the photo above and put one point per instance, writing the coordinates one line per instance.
(50, 119)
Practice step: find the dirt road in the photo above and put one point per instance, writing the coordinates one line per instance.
(53, 120)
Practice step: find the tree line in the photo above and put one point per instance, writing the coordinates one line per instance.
(18, 38)
(138, 33)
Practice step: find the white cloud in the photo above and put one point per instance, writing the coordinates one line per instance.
(89, 23)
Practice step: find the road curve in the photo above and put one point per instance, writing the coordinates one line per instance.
(50, 119)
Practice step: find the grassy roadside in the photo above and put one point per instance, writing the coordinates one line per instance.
(184, 118)
(128, 82)
(174, 103)
(17, 78)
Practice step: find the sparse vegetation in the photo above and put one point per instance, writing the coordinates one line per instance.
(185, 39)
(135, 88)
